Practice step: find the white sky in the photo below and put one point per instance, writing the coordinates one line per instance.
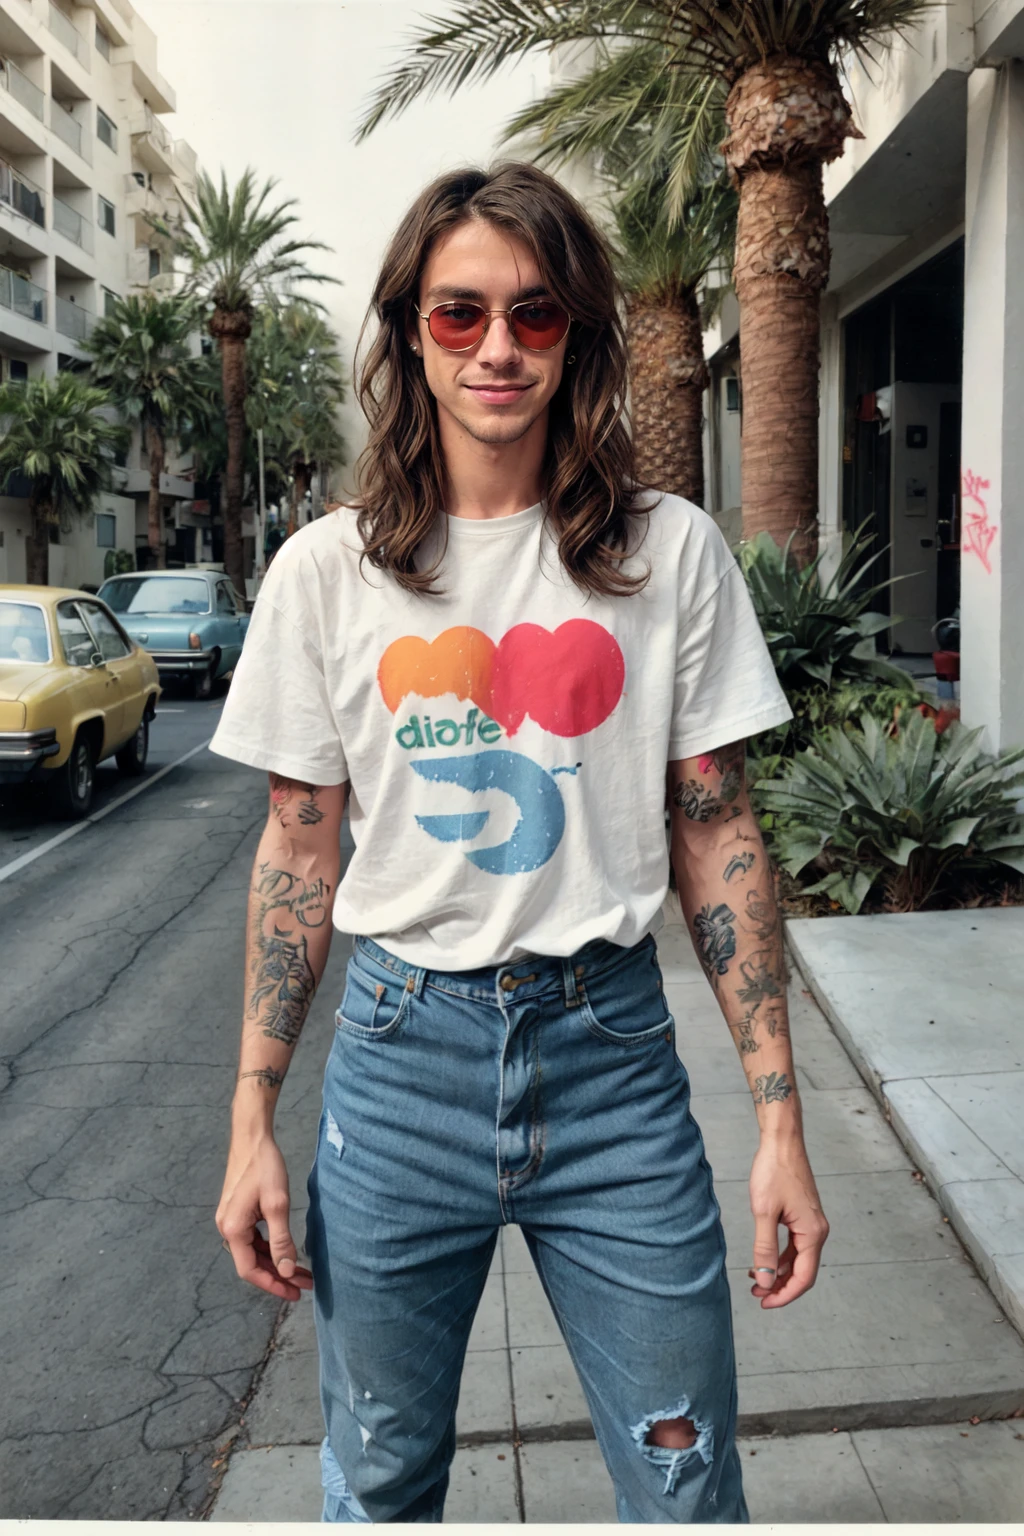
(277, 84)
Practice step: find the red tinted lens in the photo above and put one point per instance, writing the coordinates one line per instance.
(539, 324)
(457, 325)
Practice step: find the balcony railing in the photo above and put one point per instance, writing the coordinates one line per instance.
(67, 221)
(148, 125)
(22, 88)
(24, 298)
(72, 320)
(68, 128)
(64, 29)
(22, 194)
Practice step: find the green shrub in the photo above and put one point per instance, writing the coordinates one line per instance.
(816, 708)
(117, 561)
(817, 634)
(910, 808)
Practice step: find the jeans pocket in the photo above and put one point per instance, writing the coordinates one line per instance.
(374, 1005)
(625, 1005)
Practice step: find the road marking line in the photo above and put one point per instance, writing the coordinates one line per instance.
(16, 865)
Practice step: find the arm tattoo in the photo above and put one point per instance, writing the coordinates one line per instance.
(745, 1031)
(696, 801)
(729, 762)
(772, 1089)
(267, 1077)
(764, 917)
(759, 978)
(716, 938)
(699, 801)
(738, 864)
(282, 972)
(281, 792)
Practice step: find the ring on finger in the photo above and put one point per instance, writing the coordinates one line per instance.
(762, 1269)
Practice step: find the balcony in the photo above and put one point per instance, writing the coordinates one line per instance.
(65, 31)
(22, 194)
(73, 321)
(21, 88)
(69, 129)
(67, 221)
(143, 202)
(152, 145)
(22, 297)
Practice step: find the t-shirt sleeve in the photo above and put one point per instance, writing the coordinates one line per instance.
(726, 688)
(278, 714)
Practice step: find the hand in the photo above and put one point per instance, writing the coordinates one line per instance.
(256, 1189)
(783, 1193)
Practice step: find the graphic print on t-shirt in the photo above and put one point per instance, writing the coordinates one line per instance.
(567, 681)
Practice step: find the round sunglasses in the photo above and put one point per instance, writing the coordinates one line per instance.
(537, 324)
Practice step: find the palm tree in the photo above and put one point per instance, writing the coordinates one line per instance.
(58, 441)
(772, 67)
(662, 266)
(234, 246)
(314, 389)
(141, 355)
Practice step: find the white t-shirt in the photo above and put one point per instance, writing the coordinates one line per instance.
(506, 743)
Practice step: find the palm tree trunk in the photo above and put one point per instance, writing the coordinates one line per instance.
(787, 118)
(301, 476)
(668, 377)
(37, 545)
(232, 328)
(155, 449)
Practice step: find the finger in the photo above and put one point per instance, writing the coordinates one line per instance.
(301, 1277)
(282, 1249)
(802, 1276)
(766, 1251)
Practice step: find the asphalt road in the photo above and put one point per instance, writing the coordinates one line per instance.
(128, 1343)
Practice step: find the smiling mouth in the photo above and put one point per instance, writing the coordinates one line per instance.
(497, 394)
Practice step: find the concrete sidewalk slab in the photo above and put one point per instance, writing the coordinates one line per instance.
(931, 1474)
(928, 1006)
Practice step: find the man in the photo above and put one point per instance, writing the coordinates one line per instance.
(494, 660)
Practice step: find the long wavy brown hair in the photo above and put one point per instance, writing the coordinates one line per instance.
(590, 487)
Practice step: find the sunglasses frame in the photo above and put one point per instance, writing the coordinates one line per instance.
(487, 313)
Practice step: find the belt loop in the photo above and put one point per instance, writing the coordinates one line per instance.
(569, 982)
(420, 977)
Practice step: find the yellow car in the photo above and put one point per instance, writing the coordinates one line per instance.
(74, 689)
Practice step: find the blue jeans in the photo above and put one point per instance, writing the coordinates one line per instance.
(547, 1093)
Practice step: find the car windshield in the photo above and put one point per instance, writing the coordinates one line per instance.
(23, 634)
(156, 594)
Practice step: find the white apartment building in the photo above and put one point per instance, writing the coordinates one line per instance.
(922, 380)
(84, 157)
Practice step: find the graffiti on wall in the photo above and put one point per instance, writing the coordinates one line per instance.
(978, 531)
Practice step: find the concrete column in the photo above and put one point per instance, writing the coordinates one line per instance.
(830, 437)
(992, 447)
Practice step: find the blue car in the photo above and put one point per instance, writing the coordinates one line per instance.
(192, 622)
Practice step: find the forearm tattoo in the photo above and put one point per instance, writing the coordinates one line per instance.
(286, 907)
(287, 796)
(266, 1077)
(774, 1088)
(721, 934)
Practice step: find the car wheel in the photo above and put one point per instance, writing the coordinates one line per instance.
(202, 682)
(75, 780)
(131, 759)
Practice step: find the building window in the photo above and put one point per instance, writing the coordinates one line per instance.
(17, 370)
(732, 393)
(206, 345)
(154, 263)
(106, 219)
(106, 530)
(110, 301)
(102, 42)
(106, 130)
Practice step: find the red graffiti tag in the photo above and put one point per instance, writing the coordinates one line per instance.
(978, 531)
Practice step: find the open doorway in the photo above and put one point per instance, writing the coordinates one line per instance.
(901, 443)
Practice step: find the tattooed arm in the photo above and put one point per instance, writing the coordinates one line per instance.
(728, 899)
(294, 879)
